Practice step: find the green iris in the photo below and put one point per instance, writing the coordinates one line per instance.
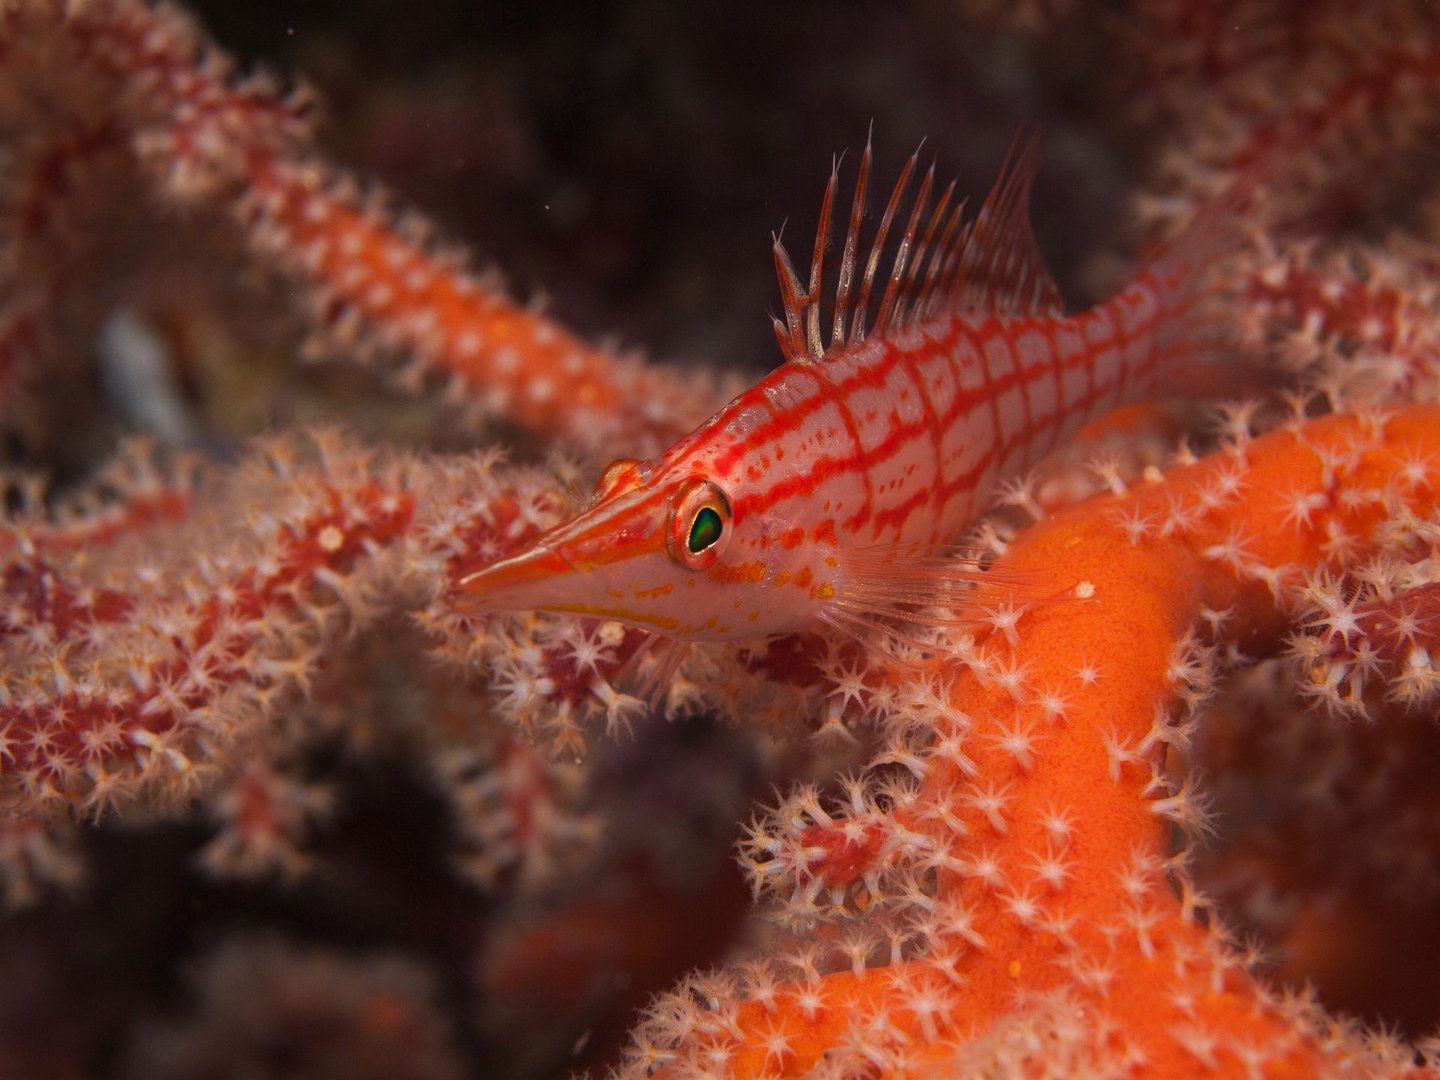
(704, 530)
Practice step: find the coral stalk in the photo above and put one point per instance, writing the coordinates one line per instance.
(370, 282)
(259, 644)
(1041, 824)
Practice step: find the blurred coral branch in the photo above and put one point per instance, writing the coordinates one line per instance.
(372, 281)
(991, 857)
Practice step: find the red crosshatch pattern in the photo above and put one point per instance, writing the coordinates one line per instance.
(913, 430)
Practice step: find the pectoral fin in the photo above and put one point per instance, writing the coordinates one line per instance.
(915, 596)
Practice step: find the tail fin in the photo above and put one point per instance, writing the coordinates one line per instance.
(1197, 344)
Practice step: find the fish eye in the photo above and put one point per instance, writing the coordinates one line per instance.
(704, 530)
(699, 525)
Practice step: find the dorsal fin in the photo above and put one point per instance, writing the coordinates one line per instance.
(941, 261)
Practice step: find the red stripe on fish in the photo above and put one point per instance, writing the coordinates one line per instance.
(894, 433)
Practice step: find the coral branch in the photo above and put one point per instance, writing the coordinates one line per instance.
(1042, 875)
(377, 288)
(372, 284)
(1229, 101)
(249, 642)
(110, 685)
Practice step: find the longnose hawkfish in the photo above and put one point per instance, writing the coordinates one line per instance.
(828, 491)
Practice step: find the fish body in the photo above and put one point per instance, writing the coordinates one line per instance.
(827, 491)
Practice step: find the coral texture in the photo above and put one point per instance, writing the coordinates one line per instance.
(1168, 816)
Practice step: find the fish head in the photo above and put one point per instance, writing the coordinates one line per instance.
(669, 550)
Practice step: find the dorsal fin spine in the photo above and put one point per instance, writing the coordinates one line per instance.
(949, 259)
(858, 328)
(817, 265)
(926, 255)
(895, 289)
(941, 261)
(844, 292)
(789, 332)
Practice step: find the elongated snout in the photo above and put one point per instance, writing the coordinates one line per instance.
(591, 564)
(538, 578)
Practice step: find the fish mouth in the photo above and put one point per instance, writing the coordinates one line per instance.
(531, 580)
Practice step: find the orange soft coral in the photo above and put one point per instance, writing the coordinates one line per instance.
(1002, 891)
(1031, 868)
